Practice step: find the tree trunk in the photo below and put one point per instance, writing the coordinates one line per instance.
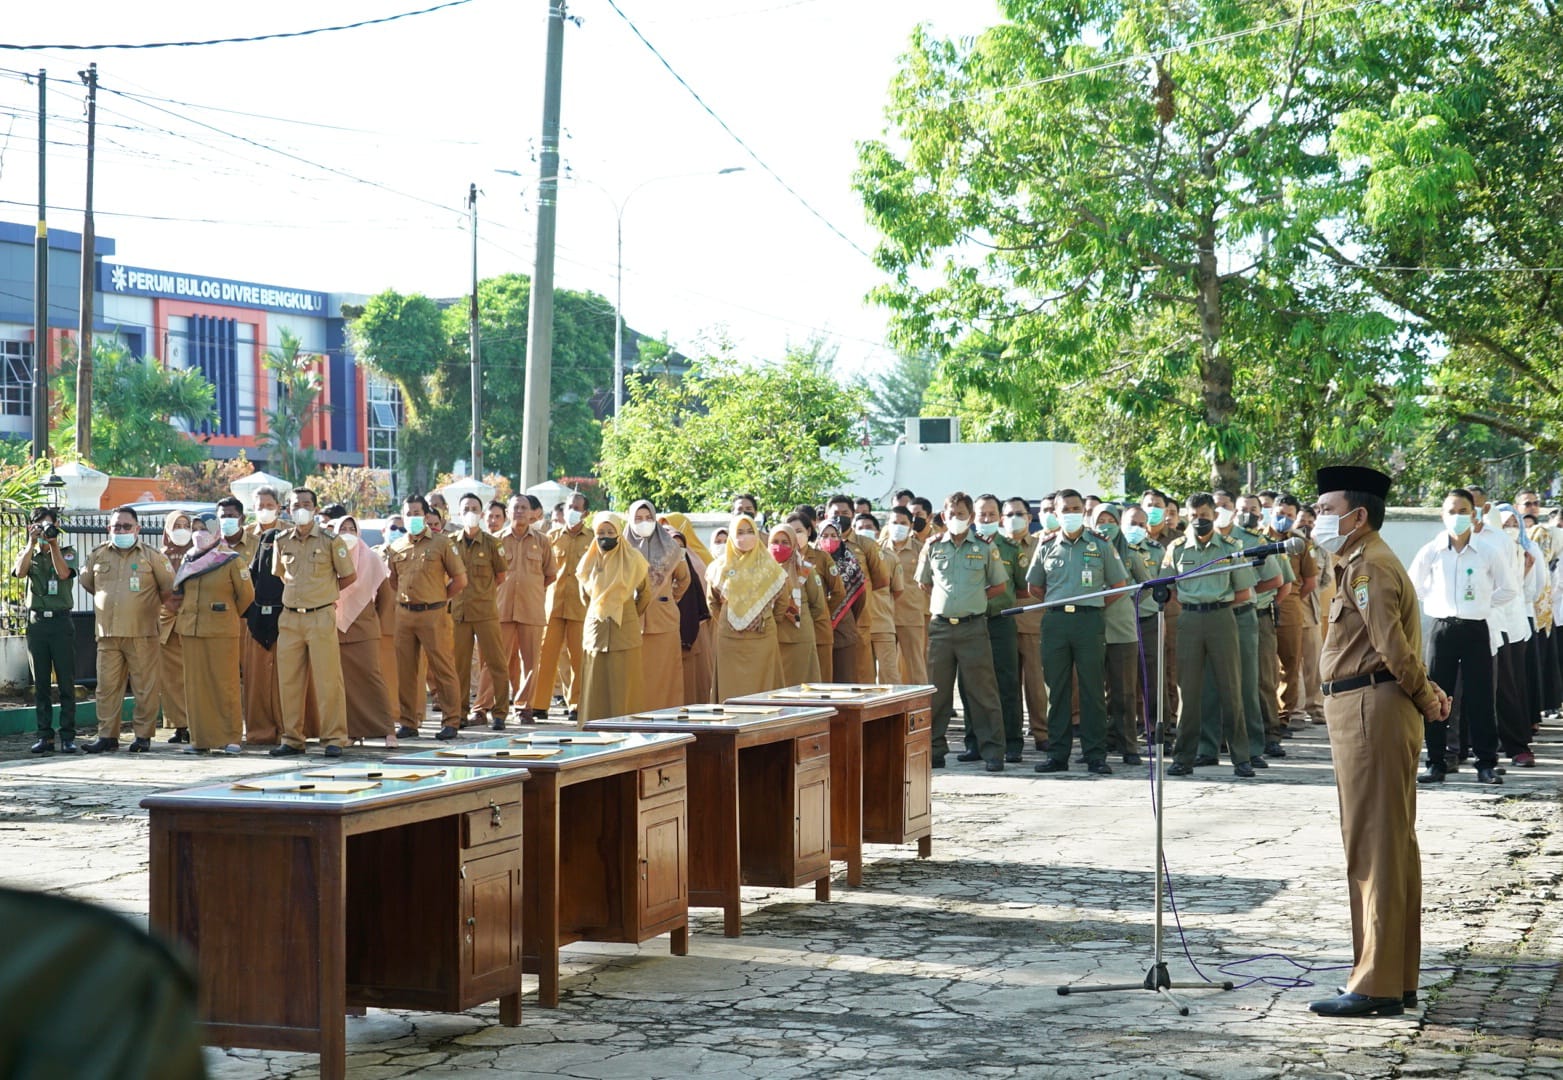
(1214, 368)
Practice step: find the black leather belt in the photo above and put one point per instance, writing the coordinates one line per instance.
(1219, 605)
(426, 607)
(308, 610)
(957, 621)
(1341, 686)
(1457, 619)
(1243, 609)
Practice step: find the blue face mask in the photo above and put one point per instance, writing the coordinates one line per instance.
(1283, 524)
(124, 540)
(1155, 515)
(395, 534)
(1135, 534)
(987, 528)
(415, 523)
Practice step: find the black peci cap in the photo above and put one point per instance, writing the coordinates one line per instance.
(1353, 478)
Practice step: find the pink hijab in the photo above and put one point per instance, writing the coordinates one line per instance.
(371, 571)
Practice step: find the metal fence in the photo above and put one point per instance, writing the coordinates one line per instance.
(85, 530)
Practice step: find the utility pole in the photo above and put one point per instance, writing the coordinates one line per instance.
(472, 337)
(41, 288)
(89, 252)
(540, 319)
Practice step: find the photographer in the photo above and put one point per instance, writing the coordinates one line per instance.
(48, 564)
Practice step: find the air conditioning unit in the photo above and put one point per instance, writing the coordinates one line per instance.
(933, 429)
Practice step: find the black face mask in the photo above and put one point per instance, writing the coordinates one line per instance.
(1248, 521)
(843, 525)
(1203, 526)
(919, 524)
(607, 543)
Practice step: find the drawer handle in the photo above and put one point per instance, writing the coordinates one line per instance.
(463, 871)
(663, 780)
(472, 920)
(495, 818)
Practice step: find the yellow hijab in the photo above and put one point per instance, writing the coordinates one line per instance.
(748, 580)
(611, 576)
(681, 524)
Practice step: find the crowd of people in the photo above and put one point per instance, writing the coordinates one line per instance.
(285, 628)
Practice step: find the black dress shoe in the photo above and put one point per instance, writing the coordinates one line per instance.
(1131, 758)
(937, 762)
(333, 751)
(101, 746)
(1041, 744)
(1430, 776)
(1205, 759)
(180, 735)
(68, 746)
(1052, 765)
(42, 746)
(1099, 768)
(1358, 1005)
(406, 731)
(968, 755)
(1013, 757)
(1408, 999)
(1273, 749)
(1177, 768)
(139, 746)
(993, 765)
(1258, 763)
(447, 733)
(1243, 769)
(497, 722)
(284, 750)
(1487, 776)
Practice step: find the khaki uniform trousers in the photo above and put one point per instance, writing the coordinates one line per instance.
(211, 692)
(425, 635)
(309, 655)
(561, 635)
(491, 649)
(135, 658)
(1375, 734)
(827, 661)
(171, 678)
(911, 640)
(522, 644)
(1313, 693)
(262, 702)
(887, 661)
(1033, 686)
(1269, 678)
(1289, 647)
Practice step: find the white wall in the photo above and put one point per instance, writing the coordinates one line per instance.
(1027, 469)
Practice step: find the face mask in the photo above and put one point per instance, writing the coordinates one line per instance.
(1283, 524)
(987, 528)
(607, 543)
(179, 537)
(919, 524)
(471, 520)
(303, 515)
(1072, 523)
(395, 534)
(415, 524)
(830, 544)
(1051, 522)
(781, 552)
(1457, 524)
(1224, 517)
(644, 529)
(868, 534)
(1156, 515)
(1204, 526)
(1326, 532)
(229, 526)
(1513, 531)
(124, 540)
(957, 526)
(1108, 530)
(900, 532)
(1016, 524)
(746, 541)
(572, 517)
(349, 540)
(204, 541)
(1248, 521)
(1135, 534)
(266, 516)
(842, 524)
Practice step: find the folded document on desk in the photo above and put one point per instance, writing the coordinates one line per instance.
(496, 752)
(574, 738)
(324, 787)
(375, 772)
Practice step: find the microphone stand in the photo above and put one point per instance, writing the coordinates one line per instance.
(1157, 980)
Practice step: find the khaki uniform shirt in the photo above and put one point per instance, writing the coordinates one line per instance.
(605, 635)
(960, 574)
(244, 542)
(127, 588)
(421, 568)
(1375, 621)
(1314, 603)
(1186, 553)
(1065, 568)
(484, 558)
(831, 587)
(1290, 612)
(309, 567)
(911, 607)
(214, 601)
(523, 596)
(883, 601)
(564, 595)
(1028, 622)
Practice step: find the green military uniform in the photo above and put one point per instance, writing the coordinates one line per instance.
(1127, 624)
(51, 642)
(1244, 577)
(1074, 641)
(1002, 636)
(1207, 636)
(1268, 610)
(959, 571)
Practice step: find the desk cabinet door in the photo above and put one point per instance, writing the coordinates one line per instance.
(919, 777)
(811, 835)
(491, 914)
(662, 891)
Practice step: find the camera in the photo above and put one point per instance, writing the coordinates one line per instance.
(50, 531)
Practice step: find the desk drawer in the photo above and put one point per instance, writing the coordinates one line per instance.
(921, 720)
(495, 822)
(660, 778)
(811, 746)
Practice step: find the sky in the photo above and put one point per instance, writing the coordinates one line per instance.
(341, 161)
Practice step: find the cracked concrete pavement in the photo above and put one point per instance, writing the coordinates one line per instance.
(949, 967)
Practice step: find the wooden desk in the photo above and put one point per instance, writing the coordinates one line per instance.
(881, 760)
(759, 799)
(607, 846)
(299, 906)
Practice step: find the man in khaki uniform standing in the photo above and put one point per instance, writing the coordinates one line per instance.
(1289, 612)
(522, 605)
(566, 610)
(475, 610)
(314, 568)
(129, 581)
(1028, 626)
(426, 572)
(911, 606)
(1376, 697)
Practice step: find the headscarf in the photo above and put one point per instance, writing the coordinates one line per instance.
(847, 567)
(749, 580)
(369, 570)
(173, 551)
(1525, 541)
(613, 575)
(207, 555)
(1119, 544)
(660, 550)
(681, 523)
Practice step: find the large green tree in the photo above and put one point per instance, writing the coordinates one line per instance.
(136, 404)
(1099, 215)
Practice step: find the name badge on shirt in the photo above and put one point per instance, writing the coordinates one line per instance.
(1088, 578)
(1470, 586)
(54, 587)
(135, 584)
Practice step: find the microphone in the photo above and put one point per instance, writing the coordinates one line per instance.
(1292, 545)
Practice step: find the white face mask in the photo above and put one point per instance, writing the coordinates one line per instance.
(572, 517)
(1513, 531)
(1224, 517)
(644, 528)
(230, 526)
(868, 534)
(1015, 523)
(266, 516)
(471, 519)
(349, 540)
(1326, 533)
(899, 532)
(179, 537)
(957, 526)
(303, 515)
(1072, 523)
